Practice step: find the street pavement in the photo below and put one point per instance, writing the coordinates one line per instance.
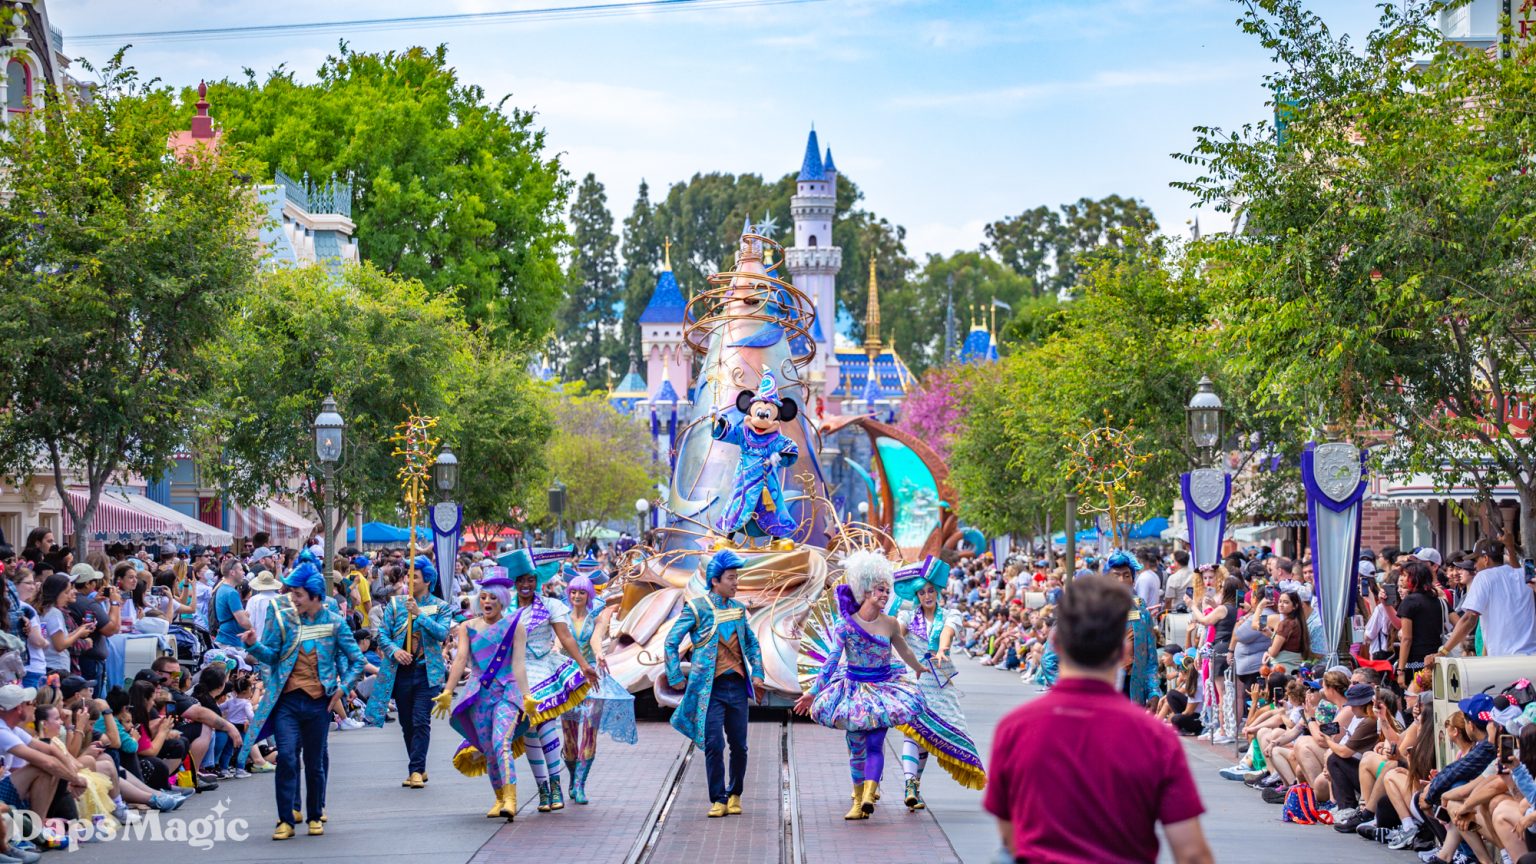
(373, 819)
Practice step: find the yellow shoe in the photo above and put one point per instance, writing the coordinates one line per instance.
(733, 805)
(284, 831)
(716, 810)
(316, 828)
(297, 816)
(324, 817)
(855, 812)
(414, 781)
(506, 803)
(423, 776)
(869, 796)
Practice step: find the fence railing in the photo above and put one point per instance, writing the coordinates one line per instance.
(332, 196)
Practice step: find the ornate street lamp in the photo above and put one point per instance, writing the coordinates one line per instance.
(330, 435)
(642, 507)
(447, 520)
(445, 473)
(1205, 416)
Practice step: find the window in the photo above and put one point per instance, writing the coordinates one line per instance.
(18, 86)
(813, 240)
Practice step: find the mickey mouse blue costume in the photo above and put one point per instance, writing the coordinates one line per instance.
(757, 504)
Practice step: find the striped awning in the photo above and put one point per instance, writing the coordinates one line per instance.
(116, 520)
(193, 529)
(286, 525)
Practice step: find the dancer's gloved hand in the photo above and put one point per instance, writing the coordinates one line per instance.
(441, 703)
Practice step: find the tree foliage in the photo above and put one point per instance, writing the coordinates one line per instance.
(1384, 279)
(116, 256)
(588, 343)
(384, 346)
(603, 458)
(449, 189)
(917, 306)
(1052, 248)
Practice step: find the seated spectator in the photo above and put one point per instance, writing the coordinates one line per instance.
(118, 737)
(35, 768)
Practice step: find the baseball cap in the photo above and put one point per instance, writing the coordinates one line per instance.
(1490, 547)
(82, 573)
(1359, 694)
(1464, 561)
(1478, 706)
(263, 552)
(1366, 568)
(12, 695)
(72, 685)
(1428, 553)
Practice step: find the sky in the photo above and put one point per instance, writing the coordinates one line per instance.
(949, 114)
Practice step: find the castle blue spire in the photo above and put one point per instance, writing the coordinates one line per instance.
(827, 165)
(811, 167)
(667, 305)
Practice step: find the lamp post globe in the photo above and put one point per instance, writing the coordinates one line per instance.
(1205, 415)
(329, 431)
(642, 507)
(445, 472)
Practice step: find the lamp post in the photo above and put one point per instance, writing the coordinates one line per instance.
(447, 523)
(642, 507)
(1208, 488)
(1071, 528)
(329, 431)
(864, 511)
(557, 508)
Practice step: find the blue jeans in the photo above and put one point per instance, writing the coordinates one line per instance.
(413, 698)
(33, 679)
(220, 753)
(726, 720)
(301, 724)
(93, 671)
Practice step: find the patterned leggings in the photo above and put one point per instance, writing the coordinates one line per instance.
(579, 728)
(543, 750)
(866, 755)
(913, 759)
(500, 766)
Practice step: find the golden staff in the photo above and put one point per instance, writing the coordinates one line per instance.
(417, 448)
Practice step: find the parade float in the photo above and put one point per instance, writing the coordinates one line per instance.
(747, 475)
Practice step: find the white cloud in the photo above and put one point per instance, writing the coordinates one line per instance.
(944, 239)
(1036, 92)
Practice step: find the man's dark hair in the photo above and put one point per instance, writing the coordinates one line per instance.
(260, 539)
(1148, 555)
(1181, 557)
(163, 661)
(1091, 619)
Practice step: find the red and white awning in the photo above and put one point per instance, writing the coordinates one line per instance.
(116, 520)
(286, 525)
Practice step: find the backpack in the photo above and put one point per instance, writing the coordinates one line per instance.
(1301, 807)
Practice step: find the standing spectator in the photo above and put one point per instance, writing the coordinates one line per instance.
(1149, 585)
(228, 618)
(101, 605)
(1421, 620)
(31, 626)
(1501, 599)
(57, 593)
(1178, 581)
(264, 589)
(1081, 800)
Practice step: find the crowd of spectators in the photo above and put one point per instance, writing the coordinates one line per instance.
(1346, 735)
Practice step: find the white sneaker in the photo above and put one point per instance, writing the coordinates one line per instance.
(1344, 815)
(1223, 739)
(241, 773)
(1402, 837)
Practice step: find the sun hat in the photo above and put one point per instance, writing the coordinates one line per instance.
(265, 581)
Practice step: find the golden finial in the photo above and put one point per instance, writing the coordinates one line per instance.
(993, 327)
(666, 260)
(872, 317)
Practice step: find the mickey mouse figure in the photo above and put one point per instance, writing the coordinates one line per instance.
(756, 505)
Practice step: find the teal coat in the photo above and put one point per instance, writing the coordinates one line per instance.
(327, 634)
(431, 626)
(698, 621)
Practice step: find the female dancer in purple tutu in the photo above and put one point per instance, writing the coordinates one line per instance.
(864, 695)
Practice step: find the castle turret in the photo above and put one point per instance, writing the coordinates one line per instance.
(814, 261)
(667, 358)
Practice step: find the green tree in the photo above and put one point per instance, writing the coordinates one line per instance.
(116, 259)
(603, 458)
(1053, 250)
(592, 349)
(973, 279)
(1383, 279)
(384, 346)
(498, 422)
(641, 242)
(449, 189)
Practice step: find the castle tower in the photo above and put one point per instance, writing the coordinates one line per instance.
(667, 358)
(814, 261)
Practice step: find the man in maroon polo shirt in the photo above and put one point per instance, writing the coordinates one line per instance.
(1082, 774)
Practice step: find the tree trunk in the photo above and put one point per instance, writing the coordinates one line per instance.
(1527, 521)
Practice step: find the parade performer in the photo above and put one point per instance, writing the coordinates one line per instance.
(487, 713)
(609, 707)
(550, 684)
(1141, 641)
(411, 669)
(756, 505)
(929, 632)
(864, 695)
(725, 657)
(310, 656)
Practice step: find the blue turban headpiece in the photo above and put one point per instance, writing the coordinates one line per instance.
(306, 576)
(909, 580)
(725, 559)
(1121, 559)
